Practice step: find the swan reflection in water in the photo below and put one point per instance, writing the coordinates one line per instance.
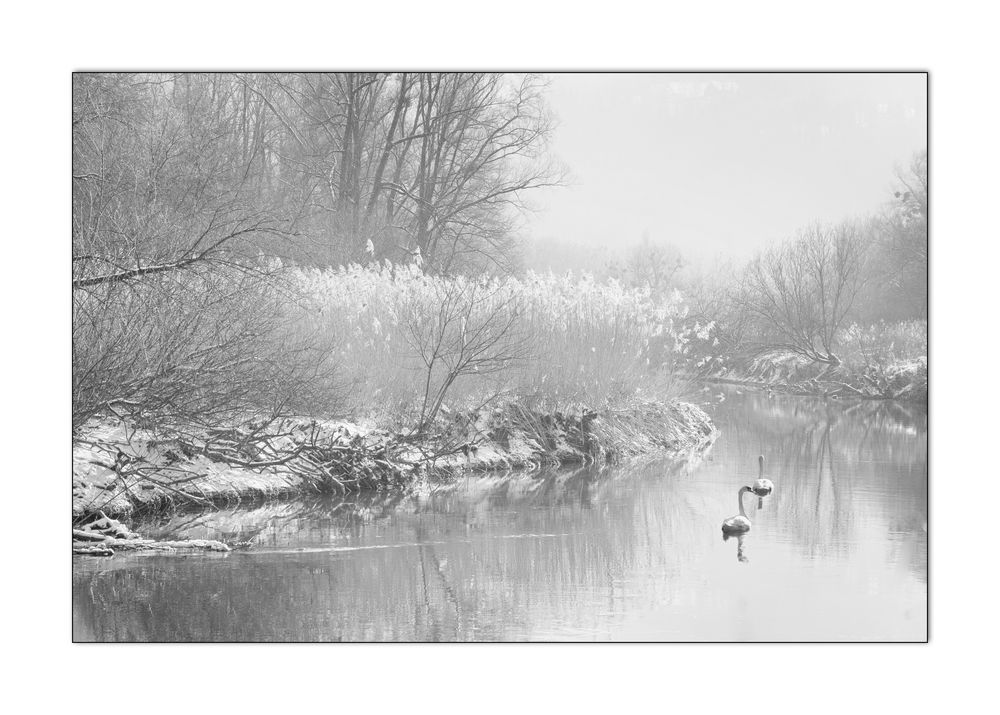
(740, 555)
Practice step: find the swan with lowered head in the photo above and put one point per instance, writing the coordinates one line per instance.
(739, 523)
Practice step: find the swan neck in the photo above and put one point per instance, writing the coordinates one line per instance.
(743, 491)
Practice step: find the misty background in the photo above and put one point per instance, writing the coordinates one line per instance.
(717, 165)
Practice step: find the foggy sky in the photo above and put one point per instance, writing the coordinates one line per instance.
(723, 164)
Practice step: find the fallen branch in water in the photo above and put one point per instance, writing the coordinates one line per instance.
(105, 536)
(101, 547)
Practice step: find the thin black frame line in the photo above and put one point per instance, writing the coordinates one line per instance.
(504, 71)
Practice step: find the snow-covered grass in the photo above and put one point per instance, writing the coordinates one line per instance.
(884, 344)
(888, 359)
(119, 471)
(884, 360)
(877, 360)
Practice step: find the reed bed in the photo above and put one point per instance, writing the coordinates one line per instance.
(546, 342)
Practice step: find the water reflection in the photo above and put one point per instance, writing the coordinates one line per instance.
(840, 550)
(740, 543)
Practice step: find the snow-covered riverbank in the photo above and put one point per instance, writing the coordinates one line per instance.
(119, 469)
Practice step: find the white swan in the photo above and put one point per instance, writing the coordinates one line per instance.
(740, 522)
(762, 487)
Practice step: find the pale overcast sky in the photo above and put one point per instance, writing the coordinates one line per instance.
(723, 164)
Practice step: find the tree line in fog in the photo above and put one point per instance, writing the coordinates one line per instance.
(803, 294)
(321, 168)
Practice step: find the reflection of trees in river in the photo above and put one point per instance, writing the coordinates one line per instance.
(479, 559)
(553, 546)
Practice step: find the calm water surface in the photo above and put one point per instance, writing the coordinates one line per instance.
(838, 552)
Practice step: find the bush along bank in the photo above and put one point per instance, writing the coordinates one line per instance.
(882, 361)
(904, 380)
(121, 470)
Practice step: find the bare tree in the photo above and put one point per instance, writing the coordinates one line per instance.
(801, 293)
(901, 263)
(163, 177)
(473, 330)
(478, 145)
(200, 347)
(650, 264)
(438, 163)
(176, 313)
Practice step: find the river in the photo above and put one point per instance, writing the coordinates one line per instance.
(632, 552)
